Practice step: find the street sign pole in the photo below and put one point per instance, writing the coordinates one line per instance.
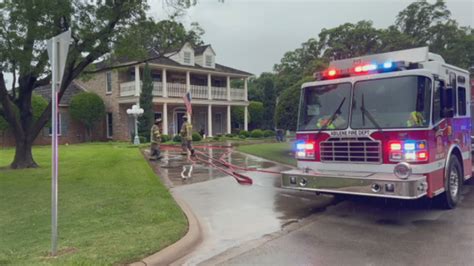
(58, 47)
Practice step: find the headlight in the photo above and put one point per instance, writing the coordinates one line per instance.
(402, 170)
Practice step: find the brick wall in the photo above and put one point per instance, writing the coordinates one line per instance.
(97, 84)
(72, 131)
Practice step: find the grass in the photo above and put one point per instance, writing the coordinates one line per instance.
(112, 207)
(278, 152)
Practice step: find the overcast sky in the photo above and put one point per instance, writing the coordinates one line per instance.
(253, 35)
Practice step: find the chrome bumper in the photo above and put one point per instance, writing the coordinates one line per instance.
(366, 184)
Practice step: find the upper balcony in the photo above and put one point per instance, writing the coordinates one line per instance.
(175, 84)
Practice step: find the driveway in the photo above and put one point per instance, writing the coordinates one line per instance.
(231, 214)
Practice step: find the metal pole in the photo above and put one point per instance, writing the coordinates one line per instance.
(136, 140)
(54, 147)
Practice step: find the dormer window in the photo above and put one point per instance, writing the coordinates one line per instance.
(187, 57)
(209, 60)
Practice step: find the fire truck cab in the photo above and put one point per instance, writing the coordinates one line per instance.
(394, 125)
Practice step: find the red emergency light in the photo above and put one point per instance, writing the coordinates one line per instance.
(365, 68)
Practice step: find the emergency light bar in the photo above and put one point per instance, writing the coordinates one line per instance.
(367, 68)
(374, 63)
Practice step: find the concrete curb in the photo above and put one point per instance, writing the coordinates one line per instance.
(182, 247)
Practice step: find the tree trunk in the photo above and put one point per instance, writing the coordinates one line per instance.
(23, 155)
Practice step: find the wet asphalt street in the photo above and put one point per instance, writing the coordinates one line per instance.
(363, 231)
(262, 224)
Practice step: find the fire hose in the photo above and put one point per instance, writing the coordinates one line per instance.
(229, 169)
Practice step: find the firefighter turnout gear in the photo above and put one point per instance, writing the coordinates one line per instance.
(187, 137)
(155, 139)
(416, 119)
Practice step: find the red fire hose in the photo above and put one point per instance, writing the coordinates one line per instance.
(229, 169)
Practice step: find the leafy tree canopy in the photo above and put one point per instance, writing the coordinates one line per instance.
(88, 108)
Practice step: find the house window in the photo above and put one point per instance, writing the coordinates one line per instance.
(109, 83)
(158, 115)
(209, 60)
(110, 127)
(187, 57)
(58, 126)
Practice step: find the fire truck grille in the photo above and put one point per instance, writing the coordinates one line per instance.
(358, 150)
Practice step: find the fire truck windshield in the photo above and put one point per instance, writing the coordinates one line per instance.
(320, 103)
(398, 102)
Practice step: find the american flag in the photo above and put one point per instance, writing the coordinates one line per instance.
(187, 102)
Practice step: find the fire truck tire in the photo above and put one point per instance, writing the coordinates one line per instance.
(452, 184)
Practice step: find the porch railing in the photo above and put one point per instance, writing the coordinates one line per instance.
(219, 93)
(127, 88)
(179, 89)
(157, 89)
(176, 89)
(199, 92)
(237, 94)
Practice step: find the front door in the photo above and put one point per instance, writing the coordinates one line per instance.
(217, 124)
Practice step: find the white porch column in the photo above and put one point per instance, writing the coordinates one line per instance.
(245, 89)
(209, 120)
(228, 88)
(228, 120)
(188, 81)
(165, 118)
(163, 82)
(137, 80)
(246, 114)
(209, 86)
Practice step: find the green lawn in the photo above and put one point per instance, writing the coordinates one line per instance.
(112, 207)
(278, 152)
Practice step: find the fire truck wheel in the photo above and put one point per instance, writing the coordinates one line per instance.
(452, 184)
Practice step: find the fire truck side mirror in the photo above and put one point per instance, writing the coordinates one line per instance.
(447, 102)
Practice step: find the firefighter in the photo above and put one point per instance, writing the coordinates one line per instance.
(416, 119)
(155, 139)
(187, 136)
(323, 123)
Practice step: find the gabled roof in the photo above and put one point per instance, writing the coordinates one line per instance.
(169, 62)
(200, 49)
(72, 90)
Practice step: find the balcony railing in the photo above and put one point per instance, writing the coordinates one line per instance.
(219, 93)
(157, 89)
(199, 92)
(176, 89)
(179, 89)
(127, 88)
(237, 94)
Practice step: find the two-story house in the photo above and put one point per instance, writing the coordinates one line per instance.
(192, 69)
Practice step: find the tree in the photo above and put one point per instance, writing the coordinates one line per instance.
(146, 103)
(417, 19)
(25, 25)
(88, 108)
(287, 108)
(256, 110)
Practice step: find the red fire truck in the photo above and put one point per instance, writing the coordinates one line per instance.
(394, 125)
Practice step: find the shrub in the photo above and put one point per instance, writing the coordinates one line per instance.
(177, 138)
(143, 139)
(268, 133)
(256, 133)
(217, 137)
(165, 138)
(88, 108)
(242, 136)
(244, 133)
(197, 136)
(230, 135)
